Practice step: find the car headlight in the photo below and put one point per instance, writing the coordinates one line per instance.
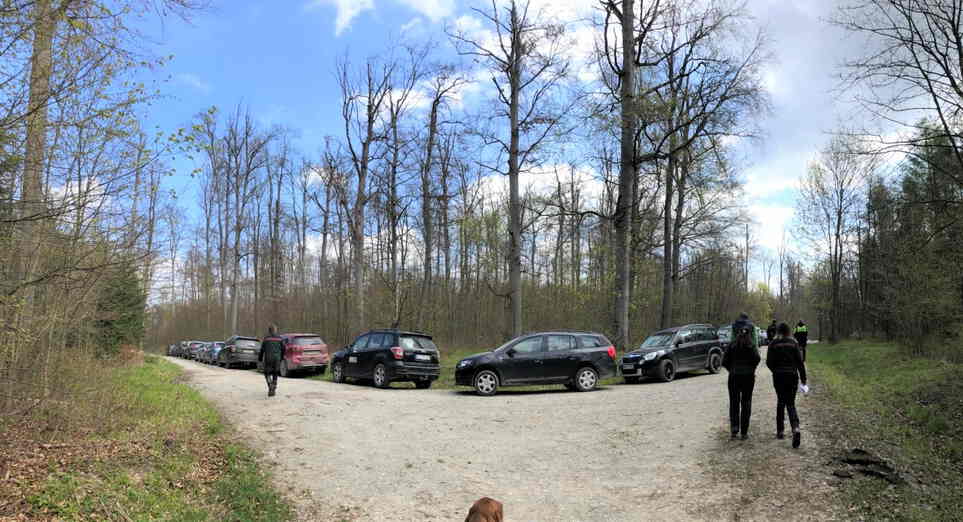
(652, 355)
(465, 364)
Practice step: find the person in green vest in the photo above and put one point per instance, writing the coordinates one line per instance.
(271, 354)
(801, 333)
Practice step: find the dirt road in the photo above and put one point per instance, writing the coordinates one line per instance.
(650, 451)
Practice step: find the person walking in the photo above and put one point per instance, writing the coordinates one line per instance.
(741, 359)
(771, 331)
(271, 354)
(785, 360)
(801, 334)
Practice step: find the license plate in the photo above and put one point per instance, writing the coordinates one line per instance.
(421, 357)
(628, 366)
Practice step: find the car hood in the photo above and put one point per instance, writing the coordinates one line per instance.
(476, 356)
(648, 349)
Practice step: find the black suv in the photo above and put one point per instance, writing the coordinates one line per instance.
(679, 349)
(239, 350)
(386, 356)
(576, 359)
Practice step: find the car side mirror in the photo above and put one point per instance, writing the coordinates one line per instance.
(510, 352)
(678, 342)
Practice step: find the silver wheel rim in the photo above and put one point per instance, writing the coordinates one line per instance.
(379, 375)
(586, 379)
(337, 372)
(486, 382)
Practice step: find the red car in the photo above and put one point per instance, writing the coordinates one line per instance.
(304, 352)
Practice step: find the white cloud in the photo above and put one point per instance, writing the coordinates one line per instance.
(433, 9)
(194, 81)
(348, 10)
(414, 23)
(770, 223)
(542, 181)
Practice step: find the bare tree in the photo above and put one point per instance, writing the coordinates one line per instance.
(526, 59)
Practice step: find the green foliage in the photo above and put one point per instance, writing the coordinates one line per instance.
(910, 404)
(120, 310)
(181, 431)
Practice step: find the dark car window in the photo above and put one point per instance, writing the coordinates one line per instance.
(306, 341)
(656, 340)
(591, 341)
(560, 343)
(377, 341)
(684, 336)
(360, 343)
(529, 345)
(414, 342)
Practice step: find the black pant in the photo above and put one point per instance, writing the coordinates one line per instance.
(786, 384)
(271, 373)
(740, 401)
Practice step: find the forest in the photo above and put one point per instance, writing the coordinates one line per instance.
(602, 190)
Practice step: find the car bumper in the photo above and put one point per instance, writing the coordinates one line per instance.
(464, 377)
(400, 370)
(242, 357)
(643, 369)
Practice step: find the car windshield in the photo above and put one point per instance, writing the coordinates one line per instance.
(410, 342)
(656, 340)
(306, 341)
(246, 343)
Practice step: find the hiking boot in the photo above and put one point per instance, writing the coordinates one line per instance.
(745, 436)
(796, 439)
(780, 435)
(735, 435)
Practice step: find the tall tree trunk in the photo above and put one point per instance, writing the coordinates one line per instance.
(627, 173)
(514, 204)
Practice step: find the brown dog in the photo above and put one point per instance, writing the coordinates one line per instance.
(485, 510)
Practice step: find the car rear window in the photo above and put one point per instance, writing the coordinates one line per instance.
(246, 343)
(412, 342)
(592, 341)
(306, 341)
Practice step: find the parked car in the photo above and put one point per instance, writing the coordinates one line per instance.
(303, 352)
(725, 336)
(192, 348)
(183, 350)
(239, 351)
(387, 356)
(213, 351)
(576, 359)
(667, 352)
(203, 353)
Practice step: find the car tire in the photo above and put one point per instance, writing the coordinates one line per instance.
(284, 369)
(631, 380)
(380, 376)
(586, 379)
(715, 362)
(422, 385)
(337, 372)
(666, 370)
(486, 383)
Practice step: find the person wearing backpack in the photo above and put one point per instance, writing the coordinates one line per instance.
(271, 354)
(741, 359)
(785, 360)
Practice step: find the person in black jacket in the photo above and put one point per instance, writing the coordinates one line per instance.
(741, 359)
(802, 337)
(271, 354)
(771, 331)
(788, 370)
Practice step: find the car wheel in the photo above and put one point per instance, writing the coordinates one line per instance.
(337, 372)
(284, 369)
(586, 379)
(715, 362)
(666, 370)
(631, 380)
(486, 383)
(380, 376)
(422, 385)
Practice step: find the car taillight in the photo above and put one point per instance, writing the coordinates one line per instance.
(398, 352)
(612, 352)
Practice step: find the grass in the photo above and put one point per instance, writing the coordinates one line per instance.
(446, 381)
(173, 459)
(908, 409)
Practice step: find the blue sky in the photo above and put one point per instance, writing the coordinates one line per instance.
(278, 57)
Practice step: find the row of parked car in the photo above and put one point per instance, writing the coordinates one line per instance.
(579, 360)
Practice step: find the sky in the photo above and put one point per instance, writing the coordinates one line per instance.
(278, 57)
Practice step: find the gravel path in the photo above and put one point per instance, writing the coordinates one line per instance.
(650, 451)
